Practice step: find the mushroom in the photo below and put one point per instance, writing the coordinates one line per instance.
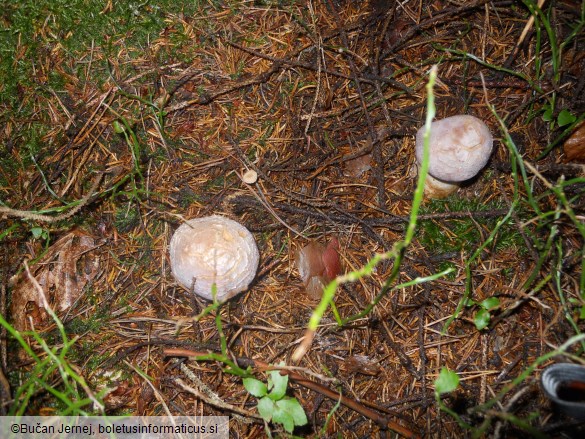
(459, 147)
(318, 265)
(250, 176)
(214, 250)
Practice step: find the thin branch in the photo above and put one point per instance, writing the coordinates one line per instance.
(30, 215)
(382, 421)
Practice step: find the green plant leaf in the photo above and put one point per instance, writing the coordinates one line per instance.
(118, 127)
(447, 381)
(548, 114)
(36, 232)
(279, 383)
(481, 319)
(490, 303)
(255, 387)
(266, 408)
(281, 416)
(565, 118)
(293, 408)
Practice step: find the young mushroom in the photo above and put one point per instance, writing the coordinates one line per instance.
(214, 250)
(318, 265)
(459, 147)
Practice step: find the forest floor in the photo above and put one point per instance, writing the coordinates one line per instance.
(120, 120)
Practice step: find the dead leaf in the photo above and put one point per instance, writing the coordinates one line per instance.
(362, 364)
(356, 167)
(146, 397)
(63, 272)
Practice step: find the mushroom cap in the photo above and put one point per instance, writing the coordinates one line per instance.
(309, 261)
(331, 260)
(460, 146)
(214, 249)
(315, 260)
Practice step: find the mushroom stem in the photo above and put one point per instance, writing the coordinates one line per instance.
(435, 188)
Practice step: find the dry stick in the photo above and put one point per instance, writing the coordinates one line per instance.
(484, 340)
(288, 60)
(375, 222)
(404, 359)
(152, 342)
(377, 152)
(403, 112)
(156, 392)
(262, 199)
(439, 18)
(320, 65)
(82, 133)
(260, 195)
(369, 231)
(208, 98)
(382, 36)
(382, 421)
(527, 28)
(216, 403)
(367, 224)
(378, 50)
(27, 214)
(203, 392)
(422, 350)
(513, 400)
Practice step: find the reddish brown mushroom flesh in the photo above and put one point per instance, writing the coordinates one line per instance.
(318, 265)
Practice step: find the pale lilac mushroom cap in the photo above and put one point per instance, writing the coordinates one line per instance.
(214, 249)
(459, 147)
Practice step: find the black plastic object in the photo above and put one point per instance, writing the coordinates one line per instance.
(564, 383)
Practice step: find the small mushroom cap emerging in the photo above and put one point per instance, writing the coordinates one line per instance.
(460, 146)
(309, 261)
(318, 265)
(331, 260)
(210, 250)
(250, 176)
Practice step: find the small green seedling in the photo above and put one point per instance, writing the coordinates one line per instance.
(447, 382)
(39, 232)
(481, 319)
(273, 404)
(118, 127)
(578, 303)
(565, 117)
